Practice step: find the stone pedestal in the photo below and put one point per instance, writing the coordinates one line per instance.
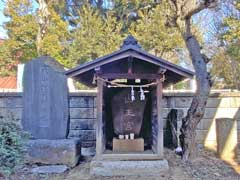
(129, 168)
(54, 152)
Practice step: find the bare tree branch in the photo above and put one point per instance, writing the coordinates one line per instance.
(201, 6)
(206, 59)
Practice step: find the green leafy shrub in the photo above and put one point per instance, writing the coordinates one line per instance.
(12, 149)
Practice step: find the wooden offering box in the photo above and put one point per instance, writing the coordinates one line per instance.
(128, 145)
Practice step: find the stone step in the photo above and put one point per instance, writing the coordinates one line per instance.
(129, 168)
(52, 169)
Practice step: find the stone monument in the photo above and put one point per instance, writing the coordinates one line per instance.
(45, 114)
(45, 99)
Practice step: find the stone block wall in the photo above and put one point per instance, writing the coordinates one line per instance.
(219, 105)
(11, 106)
(82, 108)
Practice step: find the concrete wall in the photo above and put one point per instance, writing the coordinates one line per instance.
(83, 114)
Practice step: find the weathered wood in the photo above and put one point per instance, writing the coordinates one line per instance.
(159, 118)
(152, 59)
(129, 76)
(130, 65)
(88, 66)
(143, 62)
(98, 70)
(99, 128)
(128, 145)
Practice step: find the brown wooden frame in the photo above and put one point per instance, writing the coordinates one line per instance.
(129, 76)
(159, 118)
(100, 146)
(99, 129)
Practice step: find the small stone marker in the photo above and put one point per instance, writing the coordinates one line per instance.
(45, 99)
(50, 169)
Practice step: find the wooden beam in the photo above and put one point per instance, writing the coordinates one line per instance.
(129, 76)
(99, 127)
(159, 118)
(161, 70)
(169, 66)
(98, 70)
(130, 64)
(98, 62)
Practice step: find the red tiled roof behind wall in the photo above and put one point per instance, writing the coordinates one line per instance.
(9, 82)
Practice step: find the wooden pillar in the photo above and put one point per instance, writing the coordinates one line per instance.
(99, 128)
(159, 118)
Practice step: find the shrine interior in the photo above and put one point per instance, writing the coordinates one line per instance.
(112, 109)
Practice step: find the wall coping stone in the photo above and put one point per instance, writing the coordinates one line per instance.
(93, 93)
(191, 94)
(84, 93)
(11, 94)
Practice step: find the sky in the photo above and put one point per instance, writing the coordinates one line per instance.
(2, 20)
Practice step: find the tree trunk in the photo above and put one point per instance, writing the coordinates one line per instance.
(43, 22)
(197, 108)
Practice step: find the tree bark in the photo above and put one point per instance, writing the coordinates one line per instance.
(184, 10)
(197, 108)
(43, 22)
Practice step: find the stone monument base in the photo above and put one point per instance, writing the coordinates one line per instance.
(54, 152)
(129, 168)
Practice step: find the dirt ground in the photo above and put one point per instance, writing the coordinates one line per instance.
(205, 167)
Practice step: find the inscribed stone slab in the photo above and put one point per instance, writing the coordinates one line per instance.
(45, 99)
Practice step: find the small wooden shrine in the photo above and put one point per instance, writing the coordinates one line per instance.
(129, 100)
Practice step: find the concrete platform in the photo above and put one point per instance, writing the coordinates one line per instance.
(129, 168)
